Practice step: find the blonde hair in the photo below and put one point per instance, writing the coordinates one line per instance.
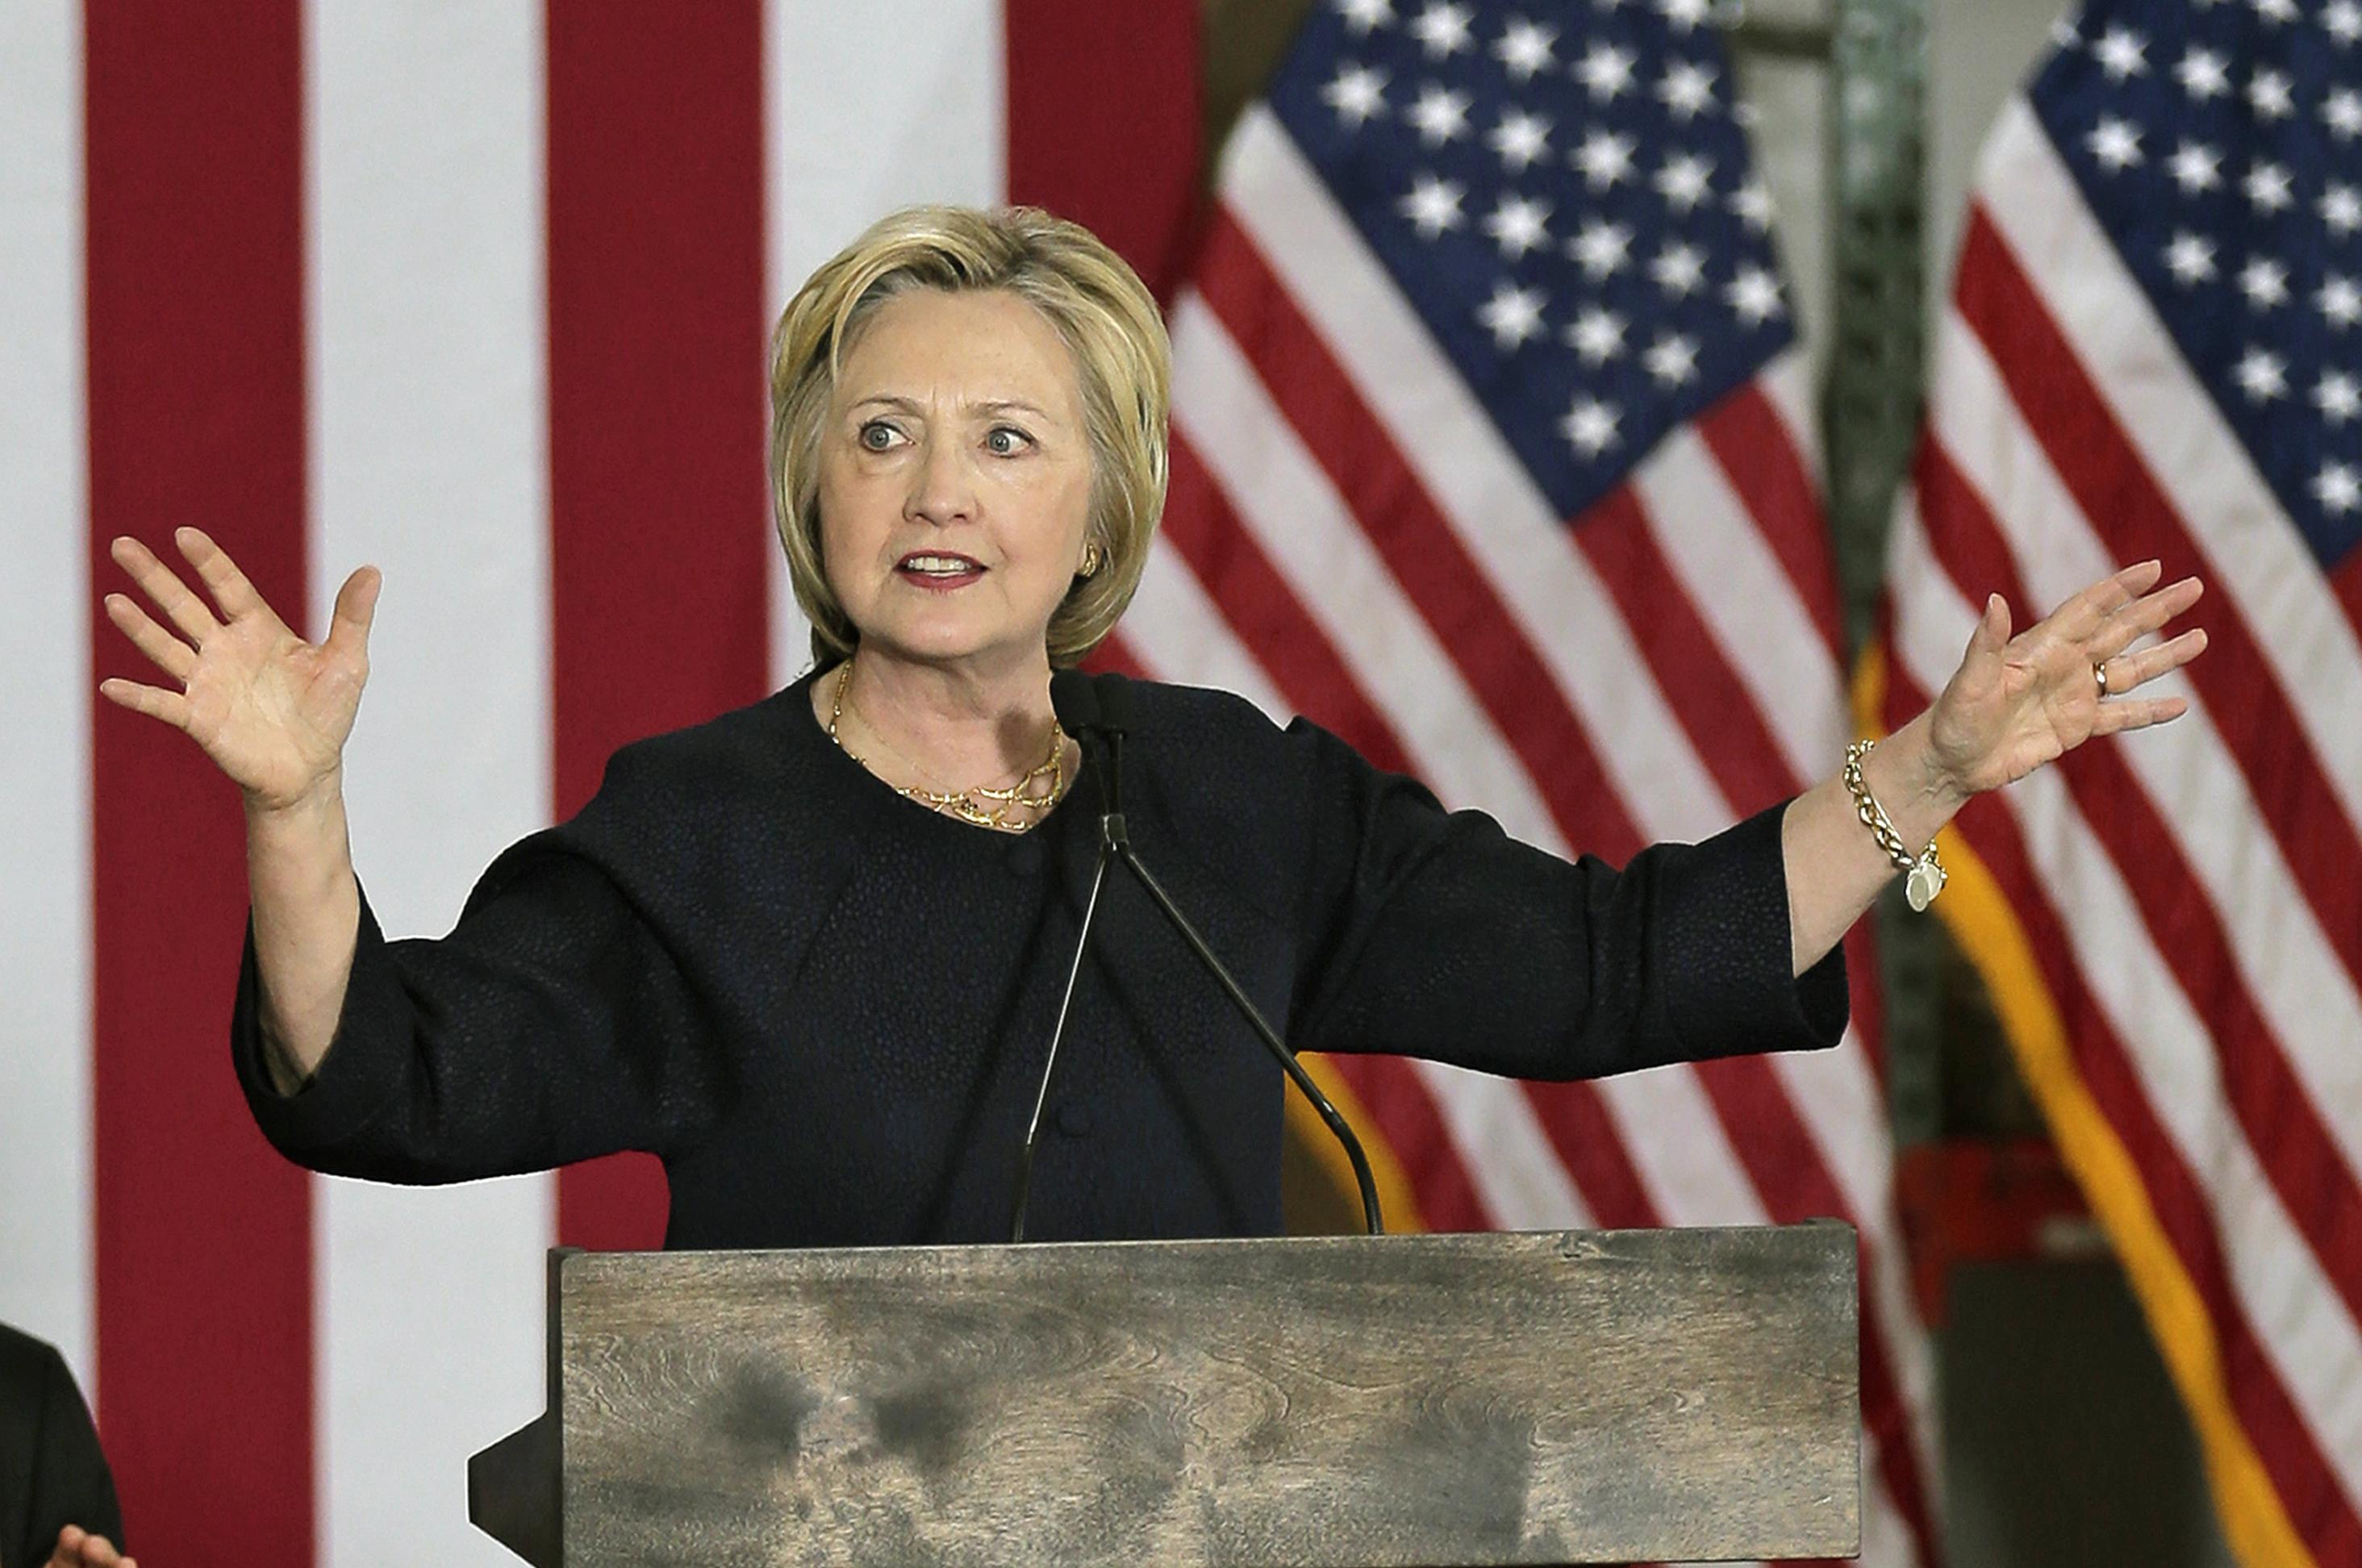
(1097, 304)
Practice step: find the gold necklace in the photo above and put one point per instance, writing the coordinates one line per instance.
(1007, 809)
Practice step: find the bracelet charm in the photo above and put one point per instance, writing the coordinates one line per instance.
(1927, 876)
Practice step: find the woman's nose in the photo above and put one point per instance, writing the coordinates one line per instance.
(942, 490)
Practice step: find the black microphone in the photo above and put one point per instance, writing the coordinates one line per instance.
(1104, 715)
(1075, 703)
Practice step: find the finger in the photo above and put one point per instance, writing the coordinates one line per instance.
(2130, 670)
(1990, 634)
(228, 585)
(356, 612)
(170, 654)
(2138, 619)
(97, 1551)
(2137, 713)
(163, 585)
(169, 706)
(2081, 616)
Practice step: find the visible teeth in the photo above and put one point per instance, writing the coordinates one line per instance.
(939, 566)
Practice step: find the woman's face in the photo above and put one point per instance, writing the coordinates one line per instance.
(954, 479)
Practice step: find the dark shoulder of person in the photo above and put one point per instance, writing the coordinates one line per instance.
(51, 1472)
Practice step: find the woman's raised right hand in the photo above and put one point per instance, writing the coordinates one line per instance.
(271, 709)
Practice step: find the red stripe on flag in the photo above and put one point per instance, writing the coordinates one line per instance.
(1752, 445)
(2275, 1109)
(196, 387)
(1575, 1121)
(1713, 706)
(1104, 122)
(1390, 1090)
(2282, 1439)
(1429, 562)
(2134, 518)
(1254, 597)
(1115, 655)
(656, 418)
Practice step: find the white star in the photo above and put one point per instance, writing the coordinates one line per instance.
(2266, 186)
(2264, 282)
(1443, 30)
(2275, 11)
(2342, 111)
(1605, 71)
(1440, 115)
(1597, 335)
(1433, 205)
(1525, 48)
(2262, 375)
(1687, 89)
(1591, 425)
(2344, 21)
(1360, 15)
(1754, 295)
(2337, 396)
(1686, 15)
(2192, 167)
(1358, 93)
(2340, 209)
(1752, 203)
(1605, 158)
(1679, 268)
(2340, 300)
(2337, 488)
(2120, 52)
(2115, 144)
(1518, 225)
(1512, 315)
(2203, 75)
(2267, 94)
(2190, 258)
(1602, 247)
(1672, 360)
(1521, 138)
(1684, 180)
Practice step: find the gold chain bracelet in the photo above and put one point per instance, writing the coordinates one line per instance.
(1926, 872)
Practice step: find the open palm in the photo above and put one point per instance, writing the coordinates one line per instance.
(270, 708)
(2017, 702)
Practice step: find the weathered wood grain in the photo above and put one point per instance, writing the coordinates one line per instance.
(1545, 1397)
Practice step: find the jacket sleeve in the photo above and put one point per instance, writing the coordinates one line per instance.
(48, 1446)
(1435, 934)
(554, 1023)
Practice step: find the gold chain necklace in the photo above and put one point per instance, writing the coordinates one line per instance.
(1009, 808)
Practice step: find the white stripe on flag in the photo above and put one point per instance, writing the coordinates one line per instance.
(1518, 1176)
(1503, 521)
(2252, 549)
(1726, 563)
(1282, 496)
(2303, 990)
(48, 690)
(1176, 630)
(2300, 1324)
(864, 111)
(1787, 386)
(429, 457)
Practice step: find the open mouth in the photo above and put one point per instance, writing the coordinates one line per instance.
(935, 569)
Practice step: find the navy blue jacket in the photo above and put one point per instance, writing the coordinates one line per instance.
(826, 1007)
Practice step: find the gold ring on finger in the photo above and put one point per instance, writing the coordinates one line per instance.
(2100, 671)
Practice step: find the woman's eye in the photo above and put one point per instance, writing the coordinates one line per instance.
(877, 437)
(1005, 441)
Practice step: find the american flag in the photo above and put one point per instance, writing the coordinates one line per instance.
(2151, 350)
(1491, 452)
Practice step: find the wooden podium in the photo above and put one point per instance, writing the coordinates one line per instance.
(1575, 1397)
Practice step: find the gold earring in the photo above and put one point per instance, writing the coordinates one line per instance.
(1090, 558)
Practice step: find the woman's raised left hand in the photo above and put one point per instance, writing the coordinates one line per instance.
(2017, 702)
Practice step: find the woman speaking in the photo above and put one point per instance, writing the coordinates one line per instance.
(810, 953)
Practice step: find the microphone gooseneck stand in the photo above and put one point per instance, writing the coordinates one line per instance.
(1097, 714)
